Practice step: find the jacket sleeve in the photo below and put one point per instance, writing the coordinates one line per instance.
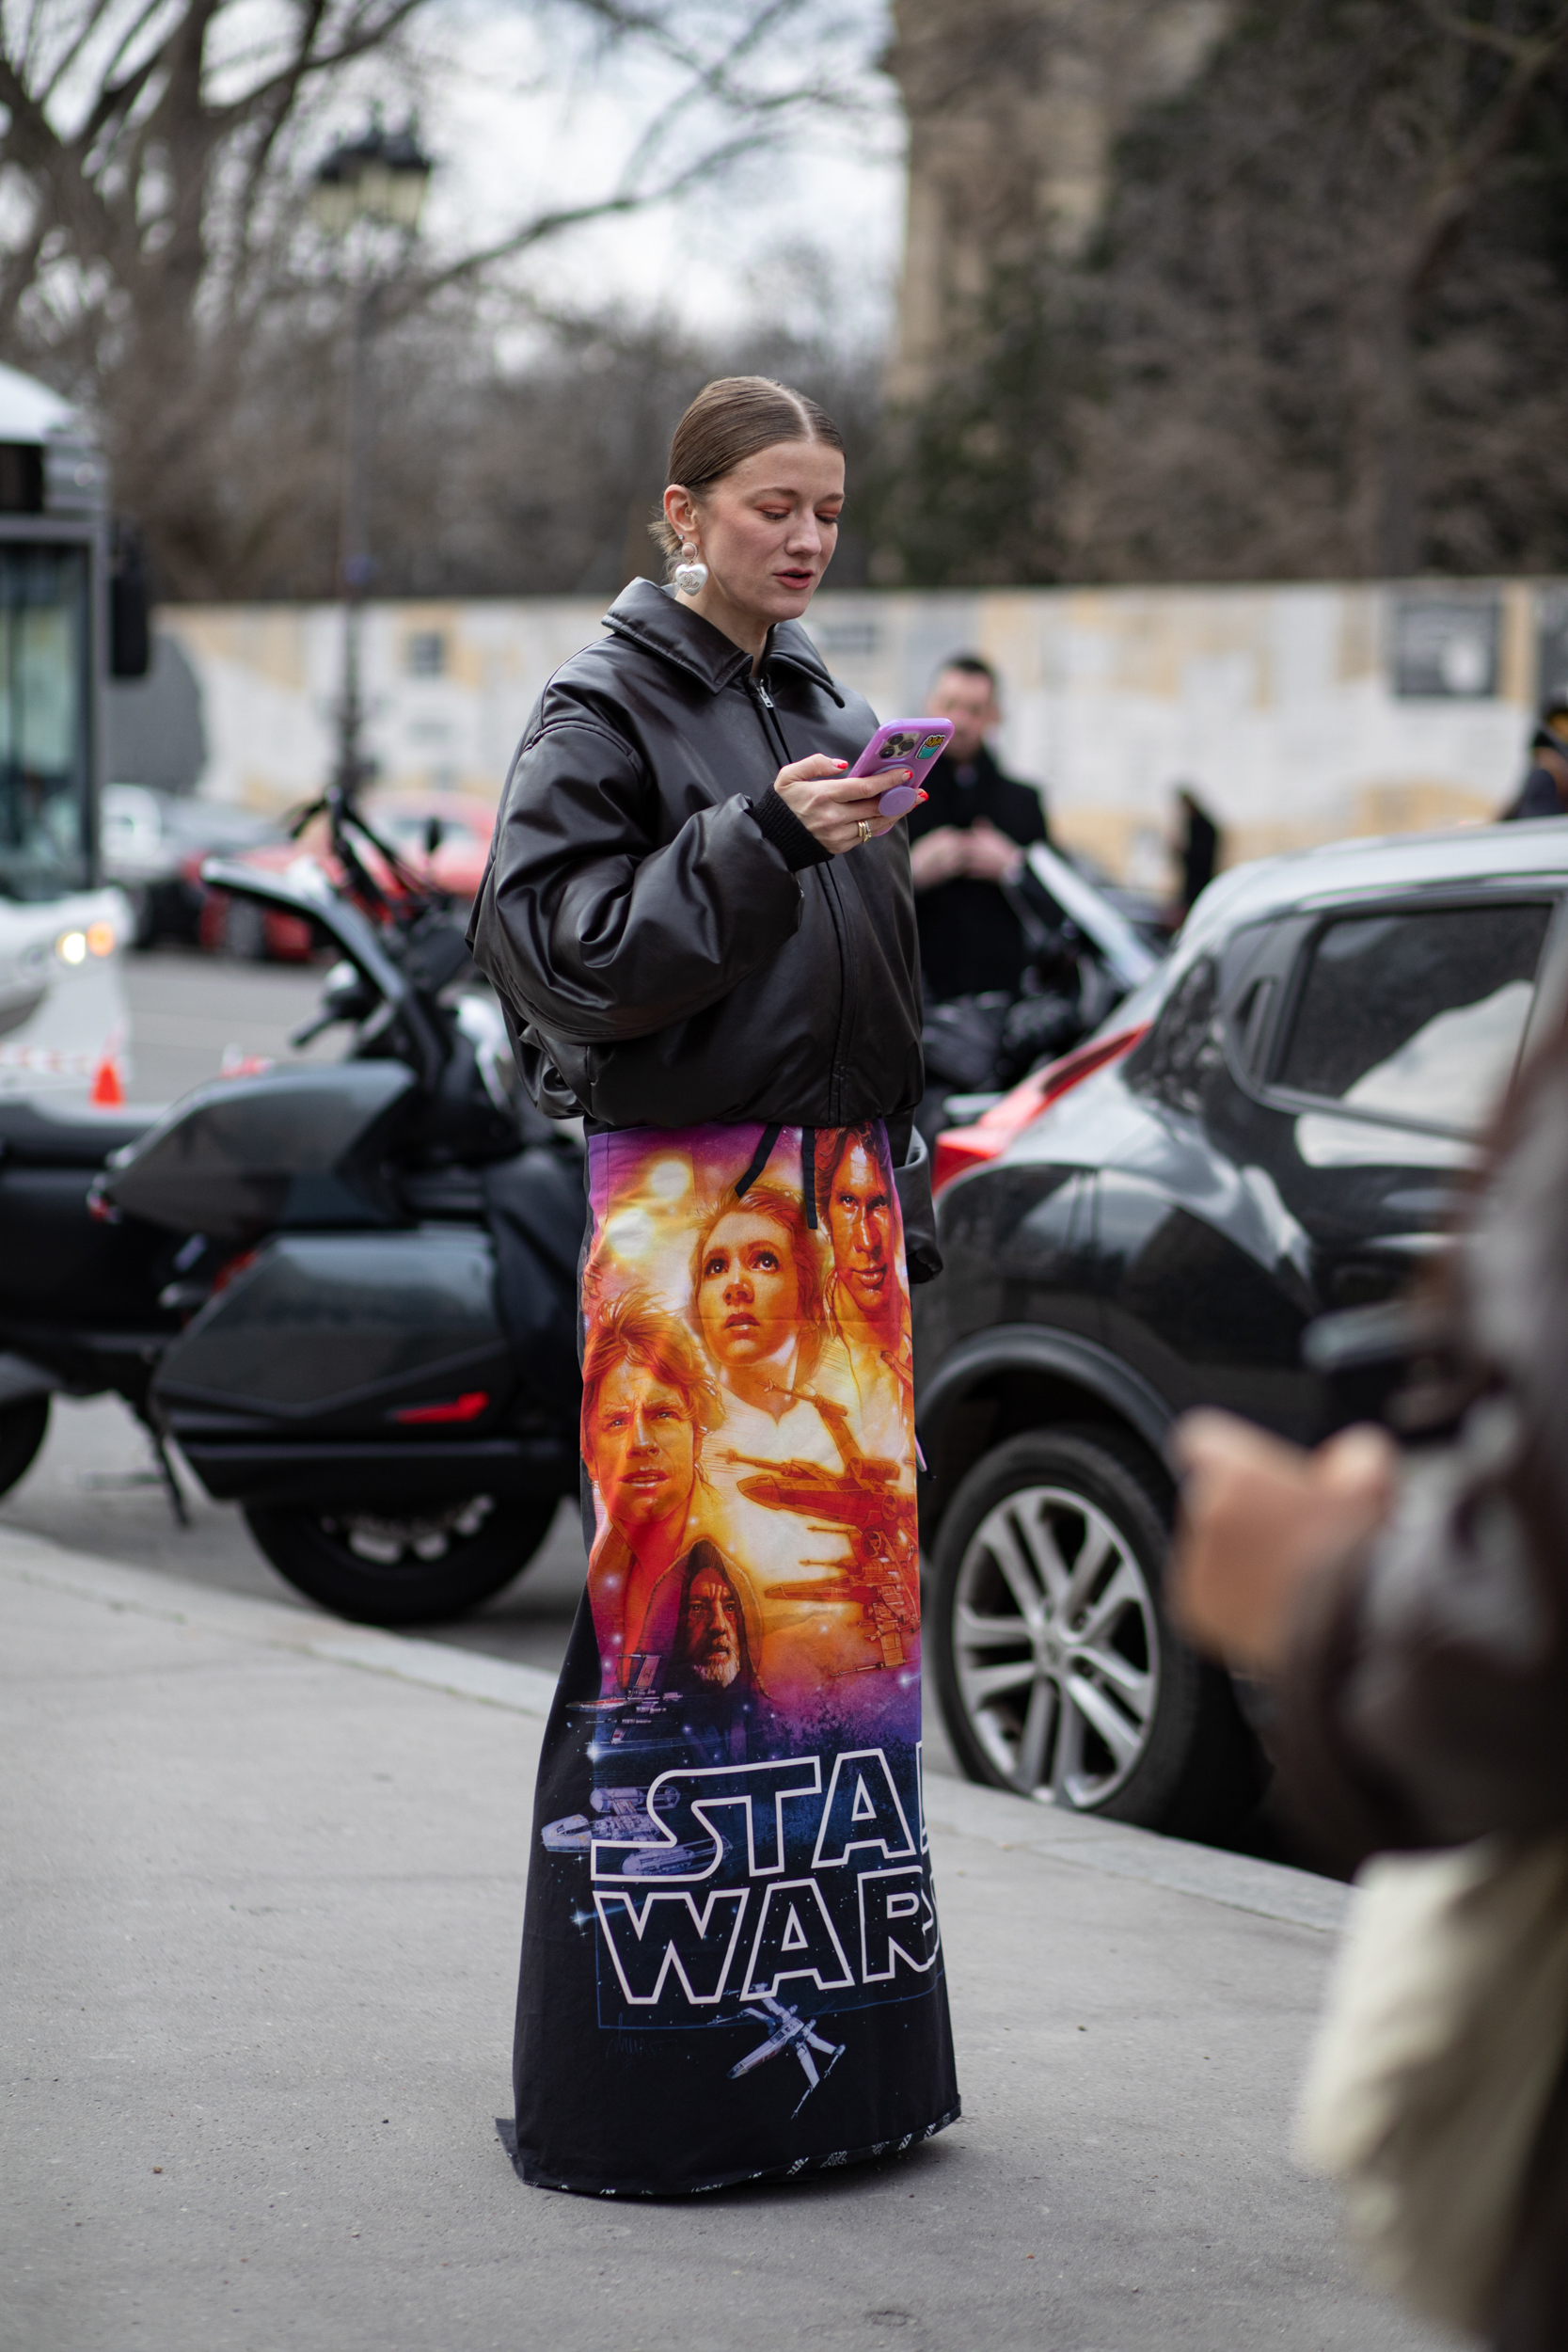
(589, 926)
(1425, 1701)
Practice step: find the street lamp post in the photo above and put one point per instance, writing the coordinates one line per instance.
(374, 183)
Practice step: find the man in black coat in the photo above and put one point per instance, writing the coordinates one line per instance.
(1544, 790)
(966, 840)
(1200, 847)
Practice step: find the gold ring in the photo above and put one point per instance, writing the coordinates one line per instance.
(866, 833)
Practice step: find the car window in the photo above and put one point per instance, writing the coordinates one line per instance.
(1415, 1016)
(1181, 1052)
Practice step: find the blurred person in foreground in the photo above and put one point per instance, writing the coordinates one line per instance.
(966, 840)
(1544, 790)
(1413, 1613)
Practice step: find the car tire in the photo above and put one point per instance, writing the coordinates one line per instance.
(1057, 1671)
(415, 1567)
(22, 1428)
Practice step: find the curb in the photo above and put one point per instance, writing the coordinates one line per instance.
(1269, 1890)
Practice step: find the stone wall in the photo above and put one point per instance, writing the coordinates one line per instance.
(1298, 714)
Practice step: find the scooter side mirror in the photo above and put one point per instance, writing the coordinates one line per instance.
(347, 996)
(304, 889)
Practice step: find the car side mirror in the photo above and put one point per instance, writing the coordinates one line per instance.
(435, 834)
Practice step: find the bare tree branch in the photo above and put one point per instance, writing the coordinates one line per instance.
(163, 266)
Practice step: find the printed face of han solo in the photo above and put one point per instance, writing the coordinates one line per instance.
(710, 1630)
(644, 1448)
(748, 1291)
(860, 1226)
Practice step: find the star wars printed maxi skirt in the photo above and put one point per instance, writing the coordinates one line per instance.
(732, 1968)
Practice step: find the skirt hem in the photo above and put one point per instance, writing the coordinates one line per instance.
(539, 2175)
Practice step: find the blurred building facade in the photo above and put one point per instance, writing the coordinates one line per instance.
(1014, 107)
(1299, 714)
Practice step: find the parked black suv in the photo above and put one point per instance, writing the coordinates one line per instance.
(1273, 1126)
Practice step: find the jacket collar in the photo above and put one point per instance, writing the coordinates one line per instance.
(651, 617)
(983, 763)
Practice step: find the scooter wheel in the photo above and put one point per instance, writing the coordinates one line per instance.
(23, 1428)
(416, 1567)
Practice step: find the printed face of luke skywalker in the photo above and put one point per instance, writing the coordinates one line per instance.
(860, 1225)
(644, 1448)
(710, 1630)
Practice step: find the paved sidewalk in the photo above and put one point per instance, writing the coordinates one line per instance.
(266, 1879)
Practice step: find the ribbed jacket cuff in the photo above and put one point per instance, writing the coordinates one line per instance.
(795, 843)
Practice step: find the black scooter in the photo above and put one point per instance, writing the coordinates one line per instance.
(347, 1291)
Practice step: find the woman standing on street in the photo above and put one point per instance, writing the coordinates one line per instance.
(702, 933)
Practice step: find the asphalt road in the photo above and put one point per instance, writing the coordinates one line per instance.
(189, 1012)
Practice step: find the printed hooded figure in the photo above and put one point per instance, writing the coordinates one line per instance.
(697, 1649)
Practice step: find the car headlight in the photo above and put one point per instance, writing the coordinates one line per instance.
(74, 948)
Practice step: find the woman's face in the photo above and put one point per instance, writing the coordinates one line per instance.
(748, 1291)
(767, 530)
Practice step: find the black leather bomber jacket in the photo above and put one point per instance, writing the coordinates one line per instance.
(669, 943)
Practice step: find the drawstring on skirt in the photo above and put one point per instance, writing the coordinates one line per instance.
(758, 1162)
(764, 1153)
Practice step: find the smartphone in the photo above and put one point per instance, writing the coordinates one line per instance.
(912, 743)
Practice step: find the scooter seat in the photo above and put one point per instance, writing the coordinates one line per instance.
(33, 1134)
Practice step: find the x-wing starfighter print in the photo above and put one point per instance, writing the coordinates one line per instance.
(787, 2030)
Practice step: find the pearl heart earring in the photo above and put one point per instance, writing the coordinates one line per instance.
(690, 573)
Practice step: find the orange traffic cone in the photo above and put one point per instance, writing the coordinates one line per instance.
(108, 1093)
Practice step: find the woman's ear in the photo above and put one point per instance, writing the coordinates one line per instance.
(680, 511)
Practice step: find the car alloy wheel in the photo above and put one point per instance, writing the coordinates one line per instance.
(1057, 1672)
(1056, 1645)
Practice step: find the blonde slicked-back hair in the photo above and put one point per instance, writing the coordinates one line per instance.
(730, 420)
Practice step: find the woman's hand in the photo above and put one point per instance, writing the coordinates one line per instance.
(991, 856)
(833, 804)
(1259, 1519)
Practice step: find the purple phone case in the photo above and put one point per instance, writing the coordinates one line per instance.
(933, 736)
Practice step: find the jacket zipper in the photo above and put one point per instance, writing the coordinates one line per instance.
(756, 684)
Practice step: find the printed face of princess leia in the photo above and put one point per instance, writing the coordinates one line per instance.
(748, 1291)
